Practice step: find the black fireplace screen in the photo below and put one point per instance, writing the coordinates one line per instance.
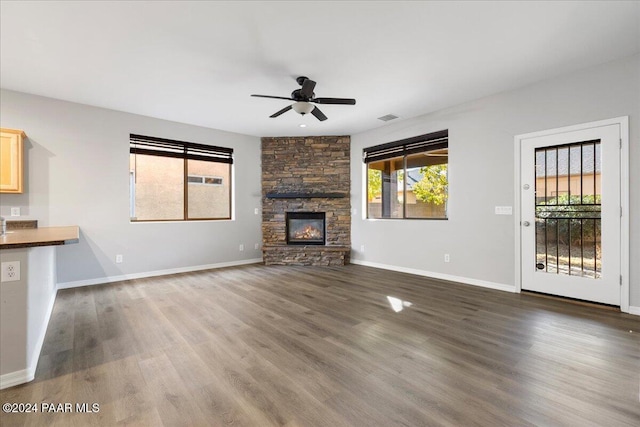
(305, 228)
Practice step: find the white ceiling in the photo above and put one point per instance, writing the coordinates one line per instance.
(198, 62)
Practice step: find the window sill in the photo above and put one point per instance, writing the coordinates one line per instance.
(406, 219)
(179, 221)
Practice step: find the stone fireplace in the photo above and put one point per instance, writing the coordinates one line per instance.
(306, 208)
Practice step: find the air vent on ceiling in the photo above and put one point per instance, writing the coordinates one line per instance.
(387, 117)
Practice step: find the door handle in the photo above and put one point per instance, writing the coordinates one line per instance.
(526, 223)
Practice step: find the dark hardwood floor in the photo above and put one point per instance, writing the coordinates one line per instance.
(306, 346)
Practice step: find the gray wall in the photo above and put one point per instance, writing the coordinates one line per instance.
(25, 308)
(77, 162)
(13, 315)
(481, 156)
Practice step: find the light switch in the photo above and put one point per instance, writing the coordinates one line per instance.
(504, 210)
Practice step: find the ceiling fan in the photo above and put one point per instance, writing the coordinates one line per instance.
(304, 97)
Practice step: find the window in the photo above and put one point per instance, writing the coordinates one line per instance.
(178, 181)
(408, 178)
(205, 180)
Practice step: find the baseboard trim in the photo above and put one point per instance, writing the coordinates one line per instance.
(16, 378)
(441, 276)
(111, 279)
(24, 376)
(634, 310)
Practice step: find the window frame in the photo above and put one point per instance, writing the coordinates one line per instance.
(403, 148)
(162, 147)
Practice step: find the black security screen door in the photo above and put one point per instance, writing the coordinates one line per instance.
(568, 209)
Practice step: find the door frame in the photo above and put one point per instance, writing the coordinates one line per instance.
(623, 122)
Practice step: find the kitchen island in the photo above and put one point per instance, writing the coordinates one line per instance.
(27, 295)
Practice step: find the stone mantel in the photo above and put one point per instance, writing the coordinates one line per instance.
(306, 195)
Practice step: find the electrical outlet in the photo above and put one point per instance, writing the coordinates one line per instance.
(256, 246)
(119, 259)
(15, 211)
(256, 211)
(361, 248)
(10, 271)
(447, 258)
(241, 248)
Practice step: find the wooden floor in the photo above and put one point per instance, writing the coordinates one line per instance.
(307, 346)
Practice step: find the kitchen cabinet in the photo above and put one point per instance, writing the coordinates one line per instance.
(11, 174)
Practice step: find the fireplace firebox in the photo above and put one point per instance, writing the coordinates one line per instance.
(306, 228)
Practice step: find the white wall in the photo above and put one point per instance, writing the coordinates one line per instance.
(77, 173)
(41, 294)
(481, 172)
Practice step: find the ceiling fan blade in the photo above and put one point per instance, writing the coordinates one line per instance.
(345, 101)
(307, 88)
(318, 114)
(274, 97)
(284, 110)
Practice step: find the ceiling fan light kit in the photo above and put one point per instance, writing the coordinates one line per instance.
(302, 107)
(304, 97)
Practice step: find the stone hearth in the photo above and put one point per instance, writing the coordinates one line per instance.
(306, 174)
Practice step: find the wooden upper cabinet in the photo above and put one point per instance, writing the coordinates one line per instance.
(11, 160)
